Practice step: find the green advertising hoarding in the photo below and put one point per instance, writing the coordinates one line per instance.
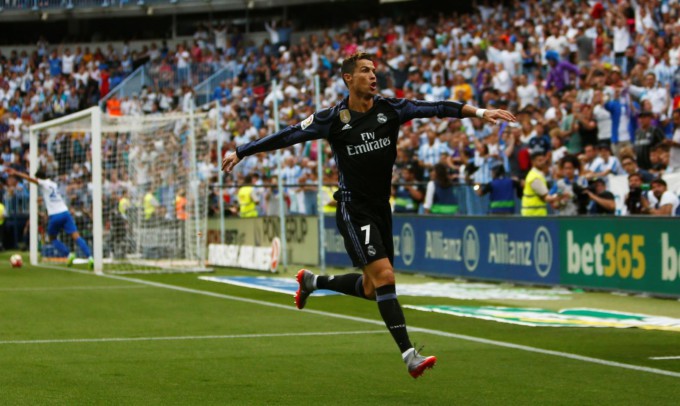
(621, 253)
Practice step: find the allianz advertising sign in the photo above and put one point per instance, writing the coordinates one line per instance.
(520, 250)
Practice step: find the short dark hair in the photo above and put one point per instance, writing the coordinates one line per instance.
(635, 175)
(659, 181)
(350, 63)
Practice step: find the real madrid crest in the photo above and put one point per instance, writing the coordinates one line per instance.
(382, 119)
(345, 117)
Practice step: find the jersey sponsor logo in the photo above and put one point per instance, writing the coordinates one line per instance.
(382, 119)
(370, 144)
(345, 116)
(347, 127)
(307, 122)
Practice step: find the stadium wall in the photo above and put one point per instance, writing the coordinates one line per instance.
(636, 254)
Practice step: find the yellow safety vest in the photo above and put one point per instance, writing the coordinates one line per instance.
(532, 204)
(327, 208)
(149, 208)
(123, 205)
(2, 214)
(246, 203)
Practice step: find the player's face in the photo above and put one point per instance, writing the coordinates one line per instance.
(363, 80)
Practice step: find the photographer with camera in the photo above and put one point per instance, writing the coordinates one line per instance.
(601, 200)
(634, 197)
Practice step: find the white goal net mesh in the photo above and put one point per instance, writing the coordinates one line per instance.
(153, 197)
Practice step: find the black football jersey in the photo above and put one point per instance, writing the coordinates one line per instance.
(364, 144)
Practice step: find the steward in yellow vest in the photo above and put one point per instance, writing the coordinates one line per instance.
(535, 197)
(247, 204)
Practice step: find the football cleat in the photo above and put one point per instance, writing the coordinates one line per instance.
(71, 257)
(305, 281)
(417, 364)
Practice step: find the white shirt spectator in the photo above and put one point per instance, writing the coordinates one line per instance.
(657, 95)
(502, 81)
(667, 197)
(558, 154)
(674, 161)
(556, 43)
(528, 95)
(595, 166)
(604, 123)
(612, 165)
(67, 63)
(510, 60)
(220, 38)
(621, 39)
(183, 59)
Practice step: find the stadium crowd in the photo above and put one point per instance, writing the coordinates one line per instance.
(595, 86)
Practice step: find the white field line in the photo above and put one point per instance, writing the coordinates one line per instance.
(381, 323)
(181, 338)
(49, 288)
(662, 358)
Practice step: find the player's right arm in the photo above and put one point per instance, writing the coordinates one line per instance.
(313, 127)
(13, 172)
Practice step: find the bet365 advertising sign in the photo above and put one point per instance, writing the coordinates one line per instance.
(631, 254)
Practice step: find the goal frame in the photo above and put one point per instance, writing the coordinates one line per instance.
(95, 115)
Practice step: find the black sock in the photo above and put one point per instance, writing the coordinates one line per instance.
(391, 312)
(349, 284)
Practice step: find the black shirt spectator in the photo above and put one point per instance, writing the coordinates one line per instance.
(646, 138)
(601, 200)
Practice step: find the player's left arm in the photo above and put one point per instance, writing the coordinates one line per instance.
(410, 109)
(14, 172)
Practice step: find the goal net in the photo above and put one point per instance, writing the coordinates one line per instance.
(133, 187)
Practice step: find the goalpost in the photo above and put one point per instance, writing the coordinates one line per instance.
(133, 186)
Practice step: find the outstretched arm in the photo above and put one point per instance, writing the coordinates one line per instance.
(13, 172)
(410, 109)
(314, 127)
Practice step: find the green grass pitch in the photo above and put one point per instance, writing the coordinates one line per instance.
(72, 338)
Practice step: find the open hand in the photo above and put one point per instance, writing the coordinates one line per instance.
(229, 161)
(492, 116)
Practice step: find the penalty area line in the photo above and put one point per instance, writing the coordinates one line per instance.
(182, 338)
(440, 333)
(665, 358)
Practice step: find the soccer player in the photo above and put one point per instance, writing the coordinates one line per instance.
(362, 130)
(59, 218)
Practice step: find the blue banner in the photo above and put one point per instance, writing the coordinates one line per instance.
(508, 249)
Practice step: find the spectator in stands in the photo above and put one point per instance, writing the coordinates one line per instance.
(440, 196)
(502, 191)
(601, 200)
(407, 194)
(630, 166)
(674, 141)
(634, 197)
(558, 76)
(610, 164)
(565, 192)
(661, 201)
(646, 138)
